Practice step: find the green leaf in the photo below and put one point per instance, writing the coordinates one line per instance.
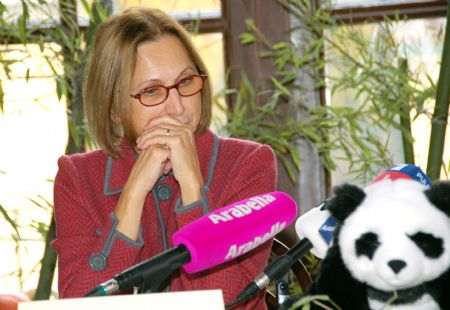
(2, 8)
(9, 220)
(288, 167)
(246, 38)
(280, 86)
(22, 22)
(250, 23)
(294, 155)
(41, 43)
(307, 300)
(280, 45)
(27, 74)
(74, 132)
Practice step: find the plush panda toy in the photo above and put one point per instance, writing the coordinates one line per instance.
(391, 248)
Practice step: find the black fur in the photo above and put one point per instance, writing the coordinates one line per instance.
(439, 289)
(367, 244)
(431, 246)
(345, 200)
(336, 281)
(439, 195)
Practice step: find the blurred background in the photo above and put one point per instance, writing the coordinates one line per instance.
(341, 90)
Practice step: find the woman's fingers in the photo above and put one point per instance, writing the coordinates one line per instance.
(165, 135)
(179, 140)
(162, 121)
(149, 167)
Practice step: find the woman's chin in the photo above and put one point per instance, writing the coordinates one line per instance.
(167, 168)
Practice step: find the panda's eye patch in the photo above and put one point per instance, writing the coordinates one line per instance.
(430, 245)
(367, 244)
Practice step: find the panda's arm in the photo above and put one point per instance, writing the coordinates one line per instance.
(439, 290)
(335, 281)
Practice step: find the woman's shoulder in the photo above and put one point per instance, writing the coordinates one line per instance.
(235, 147)
(96, 158)
(240, 143)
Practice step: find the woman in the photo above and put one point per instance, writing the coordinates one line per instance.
(148, 105)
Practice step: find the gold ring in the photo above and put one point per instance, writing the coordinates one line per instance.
(167, 132)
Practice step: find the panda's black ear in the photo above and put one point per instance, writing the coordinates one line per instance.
(439, 195)
(345, 200)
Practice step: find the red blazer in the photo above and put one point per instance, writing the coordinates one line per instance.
(90, 249)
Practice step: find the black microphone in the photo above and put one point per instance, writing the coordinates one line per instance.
(151, 272)
(276, 269)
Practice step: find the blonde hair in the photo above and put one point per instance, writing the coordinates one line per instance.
(109, 73)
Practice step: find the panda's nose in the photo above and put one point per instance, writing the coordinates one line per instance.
(396, 265)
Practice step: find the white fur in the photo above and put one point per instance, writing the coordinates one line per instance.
(424, 303)
(393, 210)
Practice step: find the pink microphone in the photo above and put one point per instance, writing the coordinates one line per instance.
(234, 230)
(213, 239)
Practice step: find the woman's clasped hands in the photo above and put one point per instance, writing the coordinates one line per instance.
(167, 144)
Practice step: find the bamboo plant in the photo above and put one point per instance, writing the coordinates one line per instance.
(373, 69)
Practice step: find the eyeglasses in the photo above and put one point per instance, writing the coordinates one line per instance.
(157, 94)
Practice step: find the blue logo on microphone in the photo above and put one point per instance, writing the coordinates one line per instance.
(327, 230)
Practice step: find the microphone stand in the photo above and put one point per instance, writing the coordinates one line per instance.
(157, 273)
(282, 289)
(274, 271)
(148, 275)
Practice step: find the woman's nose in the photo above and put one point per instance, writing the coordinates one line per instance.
(174, 104)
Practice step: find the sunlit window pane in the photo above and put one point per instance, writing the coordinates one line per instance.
(33, 134)
(366, 3)
(210, 47)
(178, 8)
(43, 14)
(421, 45)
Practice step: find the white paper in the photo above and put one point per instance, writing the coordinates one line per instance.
(195, 300)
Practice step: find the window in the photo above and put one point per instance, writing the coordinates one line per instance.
(421, 37)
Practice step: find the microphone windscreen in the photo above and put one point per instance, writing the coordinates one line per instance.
(234, 230)
(318, 226)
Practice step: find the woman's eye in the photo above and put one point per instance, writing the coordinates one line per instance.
(186, 81)
(154, 91)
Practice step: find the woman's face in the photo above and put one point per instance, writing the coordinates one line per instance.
(163, 62)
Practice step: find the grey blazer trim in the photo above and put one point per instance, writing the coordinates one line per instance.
(115, 233)
(179, 208)
(99, 260)
(160, 219)
(212, 163)
(138, 243)
(106, 190)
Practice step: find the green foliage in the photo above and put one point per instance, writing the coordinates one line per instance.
(318, 300)
(63, 44)
(41, 203)
(10, 221)
(372, 67)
